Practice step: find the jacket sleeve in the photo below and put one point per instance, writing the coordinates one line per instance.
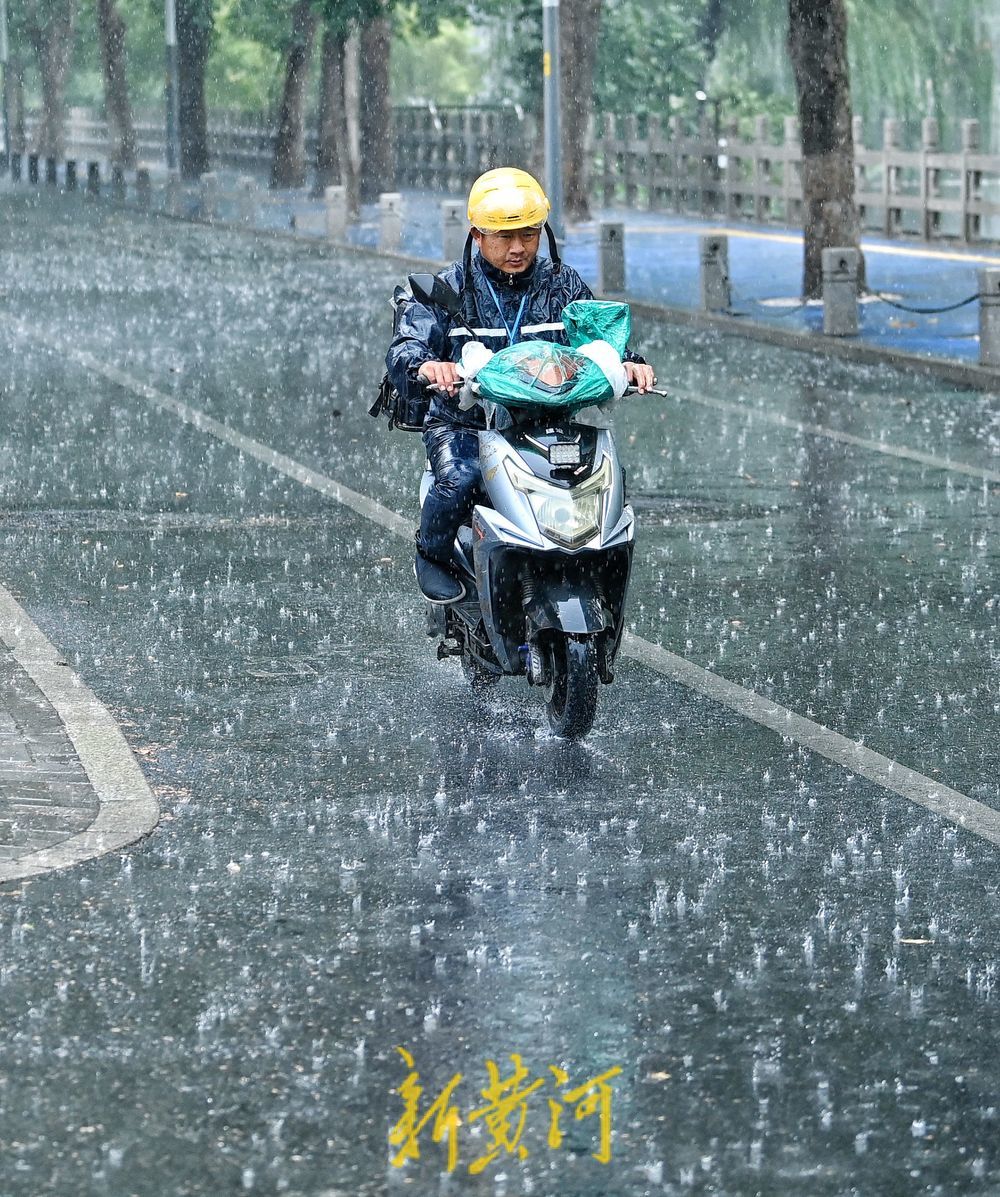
(420, 336)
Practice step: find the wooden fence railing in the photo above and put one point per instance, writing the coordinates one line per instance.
(448, 148)
(649, 164)
(924, 192)
(235, 140)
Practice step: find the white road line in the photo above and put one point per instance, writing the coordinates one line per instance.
(957, 808)
(128, 808)
(833, 434)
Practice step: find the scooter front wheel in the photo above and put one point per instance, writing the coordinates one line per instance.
(575, 684)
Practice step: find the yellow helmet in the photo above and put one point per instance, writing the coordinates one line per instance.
(507, 198)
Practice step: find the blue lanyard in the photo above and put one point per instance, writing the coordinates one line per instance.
(513, 330)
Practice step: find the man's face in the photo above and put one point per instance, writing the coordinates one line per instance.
(512, 251)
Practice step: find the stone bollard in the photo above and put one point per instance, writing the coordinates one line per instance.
(117, 184)
(335, 203)
(51, 172)
(989, 317)
(611, 258)
(840, 292)
(209, 196)
(714, 257)
(93, 178)
(16, 166)
(71, 174)
(33, 169)
(454, 229)
(390, 221)
(143, 189)
(246, 200)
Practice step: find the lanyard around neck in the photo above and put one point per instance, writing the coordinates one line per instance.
(513, 330)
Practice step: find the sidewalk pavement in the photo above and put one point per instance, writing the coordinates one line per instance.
(765, 264)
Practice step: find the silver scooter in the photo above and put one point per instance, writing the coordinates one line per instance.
(546, 559)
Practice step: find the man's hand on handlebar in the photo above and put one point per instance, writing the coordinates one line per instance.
(442, 375)
(640, 376)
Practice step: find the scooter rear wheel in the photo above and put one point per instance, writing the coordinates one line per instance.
(575, 685)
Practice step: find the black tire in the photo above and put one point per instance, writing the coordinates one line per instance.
(575, 685)
(480, 679)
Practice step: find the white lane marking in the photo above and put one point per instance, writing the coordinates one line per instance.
(950, 804)
(246, 444)
(833, 434)
(128, 808)
(358, 502)
(957, 808)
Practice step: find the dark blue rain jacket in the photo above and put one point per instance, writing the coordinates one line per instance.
(428, 334)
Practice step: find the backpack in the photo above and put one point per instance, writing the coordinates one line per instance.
(406, 414)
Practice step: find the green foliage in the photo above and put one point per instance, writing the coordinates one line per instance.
(251, 40)
(266, 23)
(928, 58)
(441, 66)
(513, 68)
(649, 59)
(908, 59)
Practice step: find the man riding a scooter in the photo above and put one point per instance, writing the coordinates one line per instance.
(509, 294)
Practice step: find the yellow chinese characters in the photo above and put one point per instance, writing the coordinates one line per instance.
(592, 1095)
(506, 1099)
(504, 1114)
(406, 1132)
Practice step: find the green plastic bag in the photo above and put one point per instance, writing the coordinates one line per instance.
(597, 320)
(539, 374)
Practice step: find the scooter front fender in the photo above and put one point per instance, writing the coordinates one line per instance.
(575, 609)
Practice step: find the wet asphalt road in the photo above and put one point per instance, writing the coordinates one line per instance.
(794, 969)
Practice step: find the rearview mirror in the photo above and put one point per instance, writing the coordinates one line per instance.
(428, 288)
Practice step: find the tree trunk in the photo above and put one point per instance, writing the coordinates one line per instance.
(352, 113)
(15, 104)
(117, 104)
(51, 27)
(334, 160)
(329, 157)
(288, 168)
(710, 28)
(377, 174)
(817, 42)
(194, 43)
(579, 29)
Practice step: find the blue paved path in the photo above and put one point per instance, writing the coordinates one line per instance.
(766, 268)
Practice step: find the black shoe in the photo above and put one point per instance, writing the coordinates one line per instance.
(437, 583)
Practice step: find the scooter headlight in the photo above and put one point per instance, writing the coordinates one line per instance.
(571, 516)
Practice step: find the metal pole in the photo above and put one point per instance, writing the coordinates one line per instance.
(553, 124)
(173, 89)
(4, 56)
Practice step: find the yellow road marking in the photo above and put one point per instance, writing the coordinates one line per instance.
(899, 251)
